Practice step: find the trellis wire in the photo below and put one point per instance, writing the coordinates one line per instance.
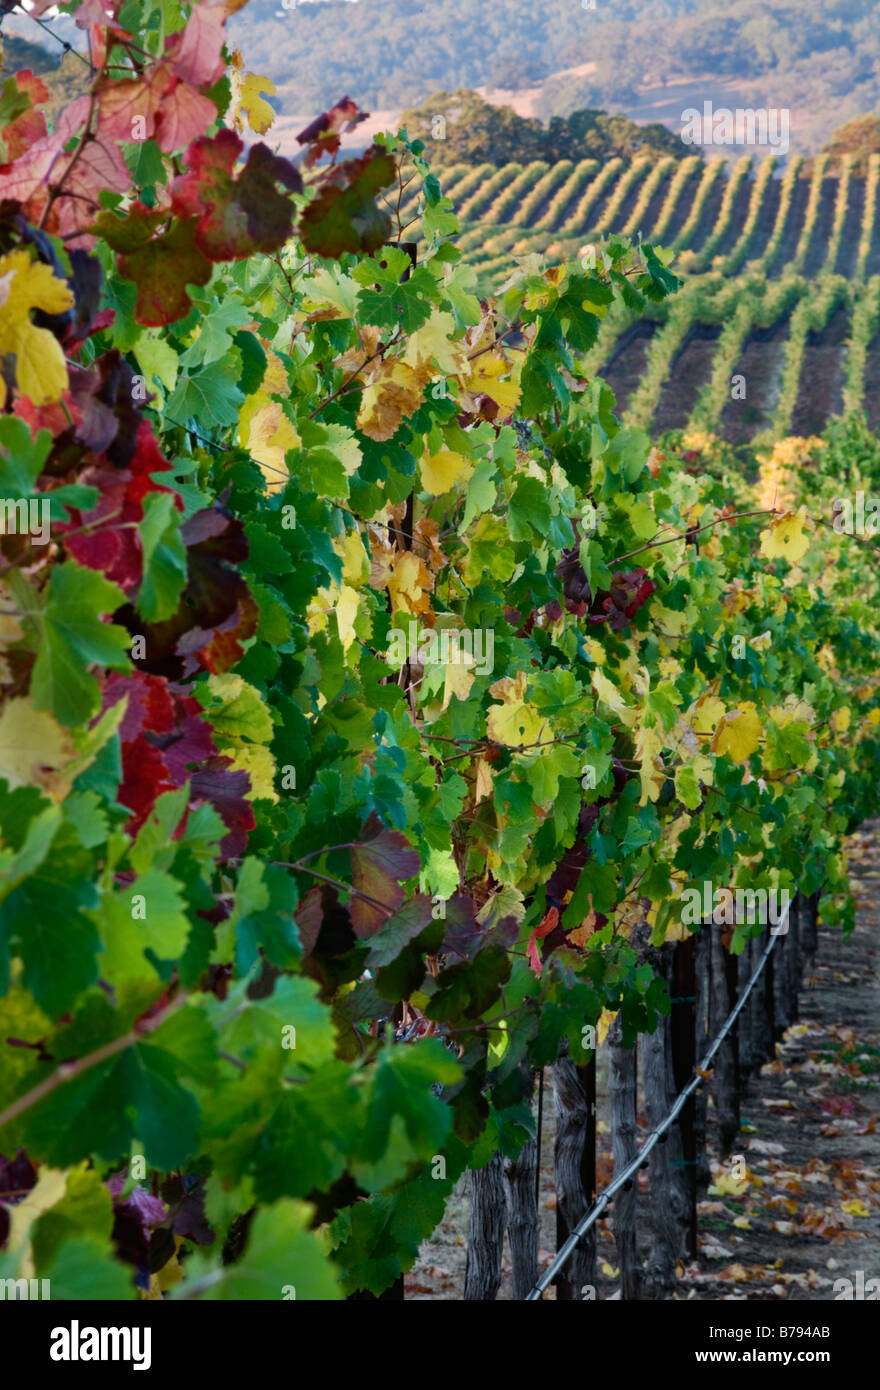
(650, 1143)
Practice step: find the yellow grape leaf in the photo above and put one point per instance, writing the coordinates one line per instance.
(409, 584)
(840, 719)
(606, 1018)
(738, 733)
(855, 1207)
(343, 602)
(689, 776)
(648, 746)
(671, 622)
(355, 562)
(432, 343)
(706, 713)
(346, 606)
(442, 470)
(381, 558)
(742, 1223)
(239, 711)
(517, 725)
(483, 380)
(246, 97)
(725, 1185)
(330, 285)
(784, 538)
(611, 696)
(484, 785)
(40, 372)
(826, 659)
(595, 650)
(51, 1185)
(275, 380)
(269, 435)
(457, 679)
(258, 763)
(514, 722)
(263, 428)
(394, 391)
(510, 687)
(34, 749)
(874, 716)
(506, 902)
(793, 711)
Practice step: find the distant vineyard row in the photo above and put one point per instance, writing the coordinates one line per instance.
(777, 329)
(718, 216)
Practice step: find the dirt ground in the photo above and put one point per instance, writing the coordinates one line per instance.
(807, 1212)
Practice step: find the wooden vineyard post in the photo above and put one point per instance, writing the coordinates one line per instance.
(682, 1023)
(755, 1037)
(809, 935)
(701, 1033)
(669, 1197)
(482, 1278)
(793, 958)
(725, 1086)
(622, 1084)
(574, 1161)
(769, 994)
(783, 1008)
(747, 1058)
(763, 1015)
(522, 1230)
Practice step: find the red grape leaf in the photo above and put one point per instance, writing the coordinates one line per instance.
(98, 166)
(344, 216)
(120, 104)
(111, 543)
(226, 792)
(236, 216)
(323, 133)
(378, 863)
(144, 778)
(183, 113)
(27, 178)
(30, 126)
(100, 12)
(169, 110)
(192, 742)
(196, 53)
(167, 742)
(161, 266)
(149, 705)
(217, 612)
(309, 916)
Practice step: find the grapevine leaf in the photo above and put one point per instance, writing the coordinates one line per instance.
(72, 635)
